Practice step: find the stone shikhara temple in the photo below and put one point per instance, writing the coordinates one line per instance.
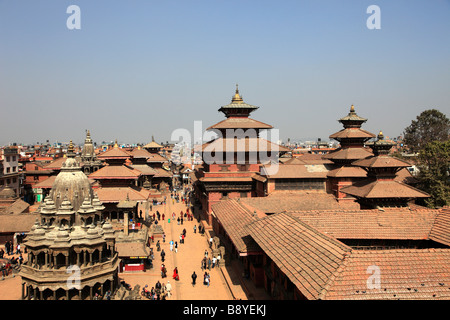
(71, 247)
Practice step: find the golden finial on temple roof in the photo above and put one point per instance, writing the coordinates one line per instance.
(352, 108)
(237, 98)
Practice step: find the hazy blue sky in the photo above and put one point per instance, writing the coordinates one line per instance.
(142, 68)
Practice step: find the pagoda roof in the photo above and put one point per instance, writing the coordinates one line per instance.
(144, 169)
(237, 104)
(162, 173)
(352, 116)
(114, 153)
(115, 172)
(347, 172)
(240, 123)
(352, 133)
(383, 161)
(383, 189)
(140, 153)
(155, 157)
(297, 171)
(349, 154)
(237, 145)
(153, 144)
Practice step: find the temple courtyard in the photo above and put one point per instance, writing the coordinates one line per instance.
(225, 282)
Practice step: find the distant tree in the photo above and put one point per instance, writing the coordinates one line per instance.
(430, 125)
(434, 166)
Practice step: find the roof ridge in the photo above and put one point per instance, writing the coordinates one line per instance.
(334, 275)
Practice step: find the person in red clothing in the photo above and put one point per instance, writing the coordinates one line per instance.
(175, 274)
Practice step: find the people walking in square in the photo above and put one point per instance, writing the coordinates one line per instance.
(163, 254)
(195, 228)
(171, 245)
(209, 263)
(168, 289)
(194, 278)
(213, 262)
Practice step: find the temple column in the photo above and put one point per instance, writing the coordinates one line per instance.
(125, 223)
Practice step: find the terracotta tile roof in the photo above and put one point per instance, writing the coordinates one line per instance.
(114, 153)
(297, 171)
(309, 258)
(240, 123)
(57, 163)
(115, 172)
(17, 222)
(161, 173)
(153, 144)
(404, 274)
(381, 162)
(46, 184)
(348, 154)
(347, 172)
(234, 218)
(441, 228)
(322, 267)
(144, 169)
(294, 160)
(404, 176)
(154, 157)
(279, 201)
(383, 189)
(140, 153)
(116, 194)
(352, 133)
(242, 145)
(372, 224)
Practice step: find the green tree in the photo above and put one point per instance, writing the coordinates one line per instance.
(434, 166)
(430, 125)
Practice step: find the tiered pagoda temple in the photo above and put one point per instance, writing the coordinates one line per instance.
(352, 141)
(380, 189)
(232, 161)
